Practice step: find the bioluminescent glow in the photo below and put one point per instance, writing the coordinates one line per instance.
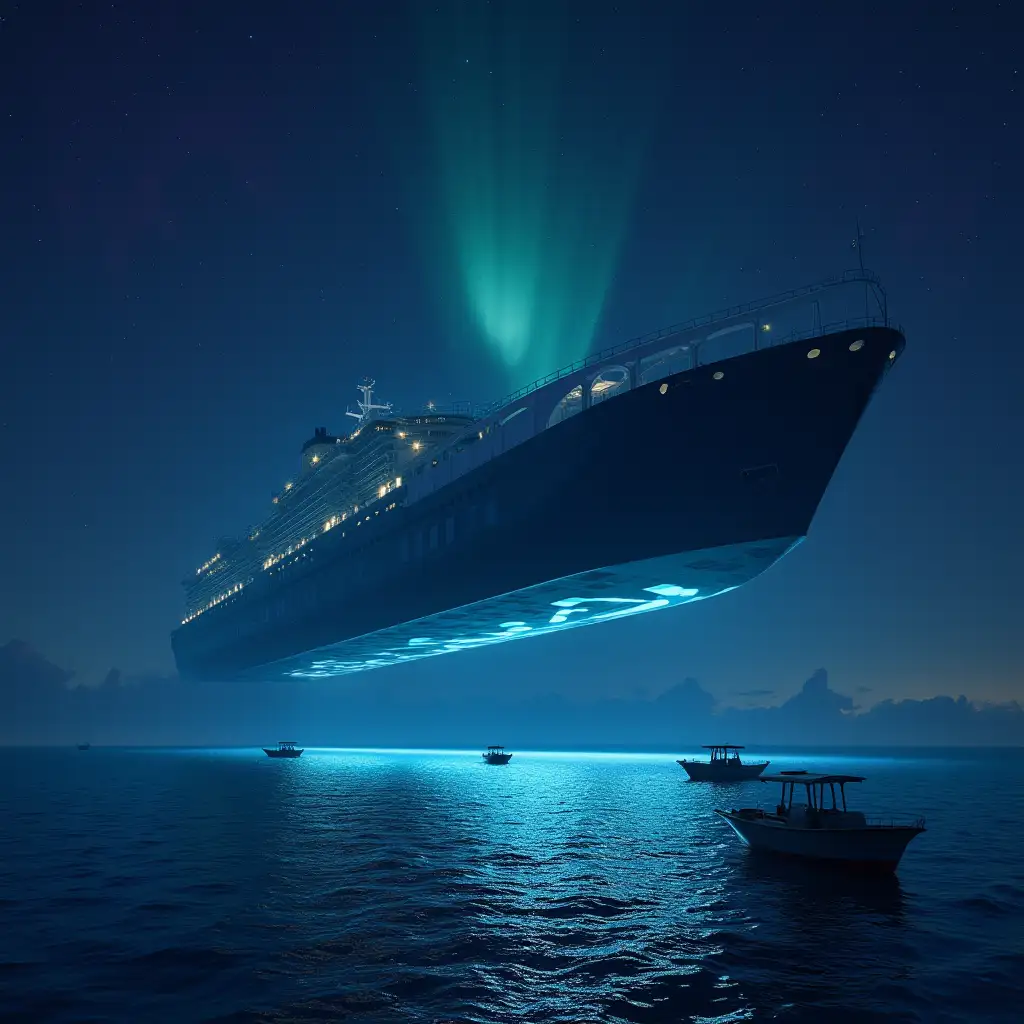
(585, 599)
(588, 610)
(538, 155)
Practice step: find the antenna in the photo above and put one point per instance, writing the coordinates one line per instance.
(367, 406)
(858, 244)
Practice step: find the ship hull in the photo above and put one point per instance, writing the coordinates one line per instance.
(676, 491)
(703, 771)
(878, 848)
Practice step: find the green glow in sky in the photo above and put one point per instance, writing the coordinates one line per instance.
(538, 158)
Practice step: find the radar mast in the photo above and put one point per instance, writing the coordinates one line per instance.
(367, 406)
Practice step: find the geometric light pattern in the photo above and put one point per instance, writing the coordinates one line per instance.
(586, 599)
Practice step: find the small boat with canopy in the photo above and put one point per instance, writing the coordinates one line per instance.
(286, 748)
(725, 765)
(816, 824)
(496, 755)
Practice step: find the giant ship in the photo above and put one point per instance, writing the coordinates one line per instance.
(669, 469)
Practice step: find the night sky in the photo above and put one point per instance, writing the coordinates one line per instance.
(217, 217)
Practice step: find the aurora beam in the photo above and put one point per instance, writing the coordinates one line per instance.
(538, 159)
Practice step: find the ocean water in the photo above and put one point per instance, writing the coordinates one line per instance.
(192, 885)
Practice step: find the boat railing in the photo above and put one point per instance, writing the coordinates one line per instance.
(872, 820)
(866, 277)
(887, 821)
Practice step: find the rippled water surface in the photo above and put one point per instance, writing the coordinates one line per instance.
(186, 885)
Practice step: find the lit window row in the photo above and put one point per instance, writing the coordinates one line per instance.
(206, 565)
(215, 601)
(274, 560)
(329, 524)
(287, 487)
(390, 485)
(290, 550)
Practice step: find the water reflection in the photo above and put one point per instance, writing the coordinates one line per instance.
(593, 887)
(552, 882)
(819, 895)
(405, 886)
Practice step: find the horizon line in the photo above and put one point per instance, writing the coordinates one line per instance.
(566, 751)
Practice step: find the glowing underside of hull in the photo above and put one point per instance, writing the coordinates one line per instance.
(584, 599)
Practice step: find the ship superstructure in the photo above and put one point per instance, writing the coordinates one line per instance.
(339, 476)
(666, 470)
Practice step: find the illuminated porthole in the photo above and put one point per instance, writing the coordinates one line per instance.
(718, 375)
(814, 353)
(663, 389)
(892, 355)
(857, 345)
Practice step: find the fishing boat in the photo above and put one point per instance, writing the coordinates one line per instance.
(496, 755)
(822, 828)
(286, 748)
(84, 746)
(725, 765)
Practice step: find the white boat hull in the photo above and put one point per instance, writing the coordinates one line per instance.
(706, 771)
(871, 847)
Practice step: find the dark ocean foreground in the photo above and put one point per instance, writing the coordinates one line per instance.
(187, 885)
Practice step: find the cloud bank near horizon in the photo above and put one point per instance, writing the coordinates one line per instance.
(39, 704)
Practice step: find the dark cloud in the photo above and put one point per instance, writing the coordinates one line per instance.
(37, 705)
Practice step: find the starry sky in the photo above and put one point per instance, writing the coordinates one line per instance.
(216, 218)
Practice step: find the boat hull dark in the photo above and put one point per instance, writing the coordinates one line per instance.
(282, 753)
(705, 771)
(674, 491)
(497, 758)
(872, 848)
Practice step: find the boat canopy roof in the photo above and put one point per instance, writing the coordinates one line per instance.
(721, 746)
(812, 778)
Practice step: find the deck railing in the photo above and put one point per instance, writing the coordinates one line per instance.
(870, 281)
(438, 409)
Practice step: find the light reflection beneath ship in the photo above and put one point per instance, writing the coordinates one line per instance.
(599, 869)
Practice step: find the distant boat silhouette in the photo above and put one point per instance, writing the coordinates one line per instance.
(725, 765)
(84, 746)
(285, 748)
(497, 755)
